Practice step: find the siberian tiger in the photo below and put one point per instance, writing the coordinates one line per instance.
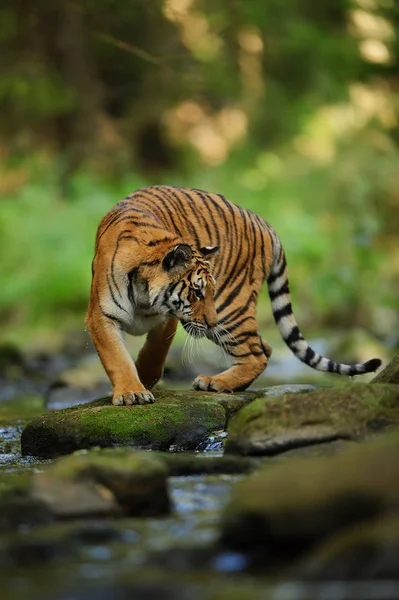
(167, 254)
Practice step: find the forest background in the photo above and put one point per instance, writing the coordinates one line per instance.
(289, 108)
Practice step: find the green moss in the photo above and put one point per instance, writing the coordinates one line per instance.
(271, 425)
(80, 464)
(183, 420)
(390, 374)
(17, 506)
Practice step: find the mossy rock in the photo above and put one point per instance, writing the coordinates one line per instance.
(365, 552)
(17, 507)
(269, 426)
(287, 507)
(179, 420)
(104, 483)
(233, 403)
(390, 374)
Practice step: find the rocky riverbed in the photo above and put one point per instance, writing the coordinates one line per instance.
(284, 492)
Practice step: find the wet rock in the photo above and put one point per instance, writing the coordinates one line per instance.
(178, 419)
(200, 464)
(288, 507)
(271, 426)
(23, 512)
(17, 507)
(104, 483)
(235, 402)
(390, 374)
(364, 552)
(68, 498)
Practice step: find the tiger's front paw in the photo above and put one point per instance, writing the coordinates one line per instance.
(210, 384)
(128, 398)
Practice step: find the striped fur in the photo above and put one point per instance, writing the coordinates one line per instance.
(166, 254)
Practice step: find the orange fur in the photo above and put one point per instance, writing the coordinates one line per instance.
(165, 254)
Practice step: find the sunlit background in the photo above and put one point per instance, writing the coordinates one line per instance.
(289, 108)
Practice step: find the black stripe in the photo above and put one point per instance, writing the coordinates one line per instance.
(120, 236)
(114, 218)
(310, 354)
(161, 240)
(243, 337)
(273, 275)
(285, 311)
(237, 324)
(331, 366)
(284, 289)
(319, 359)
(130, 276)
(254, 245)
(294, 336)
(234, 292)
(253, 353)
(172, 288)
(233, 314)
(208, 230)
(113, 297)
(136, 223)
(150, 263)
(130, 237)
(230, 229)
(262, 242)
(164, 209)
(218, 209)
(233, 241)
(105, 314)
(229, 276)
(183, 208)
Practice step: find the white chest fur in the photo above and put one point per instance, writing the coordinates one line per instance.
(142, 323)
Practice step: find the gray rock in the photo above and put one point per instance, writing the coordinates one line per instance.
(103, 483)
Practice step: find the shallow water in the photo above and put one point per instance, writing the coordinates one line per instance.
(168, 558)
(89, 553)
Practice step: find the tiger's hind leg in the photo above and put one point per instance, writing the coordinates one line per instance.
(249, 354)
(152, 356)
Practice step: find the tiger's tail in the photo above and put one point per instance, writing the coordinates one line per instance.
(280, 298)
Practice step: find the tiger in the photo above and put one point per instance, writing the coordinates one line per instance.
(165, 255)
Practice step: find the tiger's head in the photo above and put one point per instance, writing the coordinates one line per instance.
(183, 287)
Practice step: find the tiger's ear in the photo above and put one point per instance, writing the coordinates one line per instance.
(179, 257)
(209, 251)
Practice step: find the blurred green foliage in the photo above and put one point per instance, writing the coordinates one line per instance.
(288, 108)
